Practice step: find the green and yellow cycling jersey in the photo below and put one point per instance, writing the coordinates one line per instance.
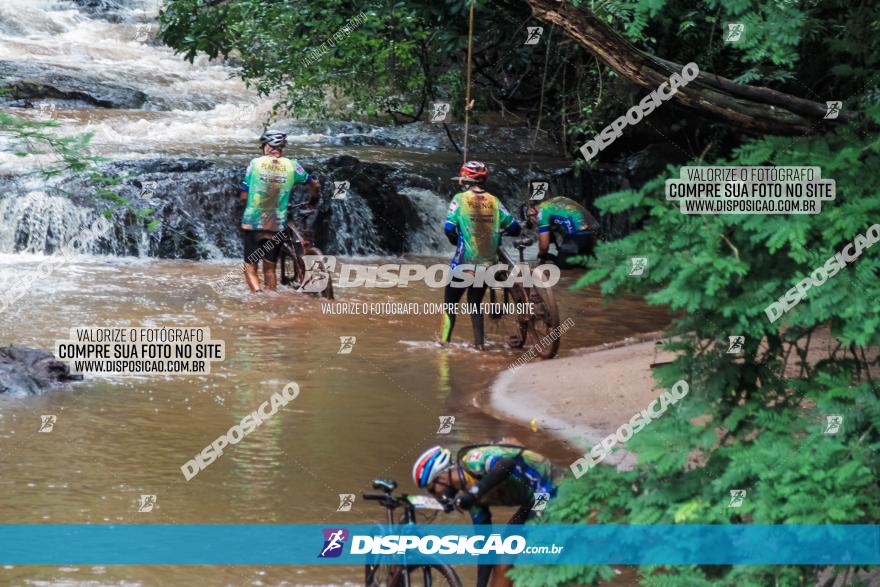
(532, 474)
(479, 218)
(268, 182)
(564, 215)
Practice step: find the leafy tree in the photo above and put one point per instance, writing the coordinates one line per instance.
(748, 423)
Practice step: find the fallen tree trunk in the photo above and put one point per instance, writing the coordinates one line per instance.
(752, 108)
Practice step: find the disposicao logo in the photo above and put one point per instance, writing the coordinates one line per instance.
(334, 540)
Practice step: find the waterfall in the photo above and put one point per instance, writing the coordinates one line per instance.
(39, 223)
(431, 208)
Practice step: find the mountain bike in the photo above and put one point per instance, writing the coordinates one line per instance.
(397, 575)
(314, 279)
(521, 327)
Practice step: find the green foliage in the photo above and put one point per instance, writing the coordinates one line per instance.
(747, 423)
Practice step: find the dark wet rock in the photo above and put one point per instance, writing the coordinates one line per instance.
(395, 218)
(25, 371)
(27, 83)
(389, 208)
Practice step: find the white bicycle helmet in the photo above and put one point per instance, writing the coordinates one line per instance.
(274, 138)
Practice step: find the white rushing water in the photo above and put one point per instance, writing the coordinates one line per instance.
(200, 103)
(177, 109)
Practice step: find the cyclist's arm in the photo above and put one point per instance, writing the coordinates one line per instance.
(501, 471)
(508, 223)
(450, 228)
(451, 232)
(244, 187)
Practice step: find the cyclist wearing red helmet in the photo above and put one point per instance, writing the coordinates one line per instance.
(474, 224)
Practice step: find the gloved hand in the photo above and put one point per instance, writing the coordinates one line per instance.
(465, 501)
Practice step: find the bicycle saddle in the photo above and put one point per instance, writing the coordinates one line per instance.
(386, 485)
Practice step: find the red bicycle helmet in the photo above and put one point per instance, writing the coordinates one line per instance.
(474, 171)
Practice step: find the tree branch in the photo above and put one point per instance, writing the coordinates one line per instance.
(752, 108)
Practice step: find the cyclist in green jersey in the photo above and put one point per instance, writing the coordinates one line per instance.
(474, 224)
(567, 219)
(266, 191)
(504, 474)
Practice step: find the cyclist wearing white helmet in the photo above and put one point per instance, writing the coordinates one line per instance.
(503, 474)
(266, 191)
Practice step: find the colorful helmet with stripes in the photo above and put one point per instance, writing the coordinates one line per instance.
(431, 463)
(474, 172)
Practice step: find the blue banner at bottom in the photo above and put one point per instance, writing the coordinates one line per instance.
(159, 544)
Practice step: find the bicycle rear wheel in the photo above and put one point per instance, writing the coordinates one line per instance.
(419, 576)
(545, 321)
(504, 324)
(292, 267)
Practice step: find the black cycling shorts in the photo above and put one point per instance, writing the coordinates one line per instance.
(261, 245)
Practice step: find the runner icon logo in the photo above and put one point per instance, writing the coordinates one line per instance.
(148, 189)
(346, 344)
(142, 32)
(541, 500)
(637, 266)
(737, 496)
(735, 344)
(539, 190)
(46, 110)
(533, 35)
(832, 109)
(832, 424)
(446, 423)
(146, 503)
(340, 190)
(346, 500)
(47, 423)
(734, 32)
(334, 540)
(439, 110)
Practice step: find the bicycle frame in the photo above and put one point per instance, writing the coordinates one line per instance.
(392, 503)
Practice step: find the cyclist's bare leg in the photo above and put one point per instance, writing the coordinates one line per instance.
(499, 573)
(499, 576)
(251, 277)
(451, 295)
(269, 275)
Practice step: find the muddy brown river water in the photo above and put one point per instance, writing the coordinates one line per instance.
(359, 416)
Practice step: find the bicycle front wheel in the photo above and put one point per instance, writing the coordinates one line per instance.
(419, 576)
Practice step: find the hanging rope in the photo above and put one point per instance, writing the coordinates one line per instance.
(540, 103)
(468, 103)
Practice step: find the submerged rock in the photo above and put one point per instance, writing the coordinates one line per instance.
(25, 371)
